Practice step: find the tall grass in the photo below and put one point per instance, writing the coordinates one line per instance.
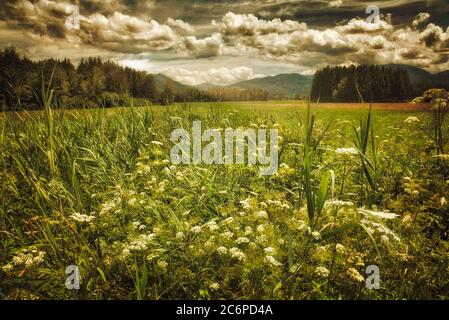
(56, 163)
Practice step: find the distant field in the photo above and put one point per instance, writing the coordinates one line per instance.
(282, 105)
(297, 104)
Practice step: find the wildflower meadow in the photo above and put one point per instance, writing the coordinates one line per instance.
(357, 208)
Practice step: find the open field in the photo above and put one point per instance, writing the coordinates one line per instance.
(96, 189)
(290, 105)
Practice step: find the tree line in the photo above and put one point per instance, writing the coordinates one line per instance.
(95, 83)
(368, 82)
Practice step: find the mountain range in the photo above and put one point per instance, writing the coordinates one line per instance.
(418, 75)
(294, 84)
(279, 85)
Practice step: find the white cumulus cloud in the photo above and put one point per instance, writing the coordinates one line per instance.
(219, 76)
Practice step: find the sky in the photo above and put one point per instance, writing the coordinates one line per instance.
(227, 41)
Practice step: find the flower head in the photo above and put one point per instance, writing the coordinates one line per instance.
(347, 151)
(322, 272)
(353, 274)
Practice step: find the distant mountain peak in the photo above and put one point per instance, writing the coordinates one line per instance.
(285, 84)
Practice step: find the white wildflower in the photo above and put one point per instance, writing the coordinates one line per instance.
(214, 286)
(262, 214)
(180, 235)
(269, 250)
(340, 248)
(195, 229)
(82, 217)
(272, 260)
(212, 225)
(246, 204)
(227, 234)
(242, 240)
(355, 275)
(411, 120)
(378, 214)
(338, 203)
(228, 220)
(132, 202)
(222, 250)
(322, 272)
(347, 151)
(238, 254)
(262, 239)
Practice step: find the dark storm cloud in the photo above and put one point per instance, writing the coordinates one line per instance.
(321, 14)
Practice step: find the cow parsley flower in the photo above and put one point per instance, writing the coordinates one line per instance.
(212, 225)
(322, 272)
(82, 217)
(378, 214)
(214, 286)
(132, 202)
(227, 234)
(269, 250)
(246, 204)
(411, 120)
(195, 229)
(242, 240)
(340, 248)
(238, 254)
(222, 250)
(338, 203)
(228, 220)
(272, 261)
(262, 214)
(346, 151)
(180, 235)
(355, 275)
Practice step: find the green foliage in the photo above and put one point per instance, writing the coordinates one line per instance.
(438, 100)
(139, 227)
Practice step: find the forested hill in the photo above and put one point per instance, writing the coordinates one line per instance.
(95, 83)
(388, 83)
(372, 83)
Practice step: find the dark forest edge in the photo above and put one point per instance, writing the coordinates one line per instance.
(95, 83)
(371, 82)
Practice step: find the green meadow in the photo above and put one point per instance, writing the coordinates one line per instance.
(96, 189)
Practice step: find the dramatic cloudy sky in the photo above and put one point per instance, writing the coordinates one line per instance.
(225, 41)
